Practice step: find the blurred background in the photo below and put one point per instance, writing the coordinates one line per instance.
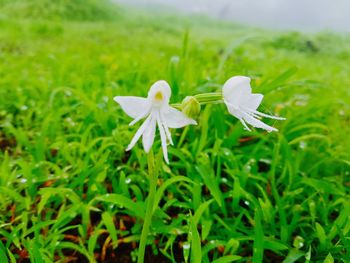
(304, 15)
(69, 192)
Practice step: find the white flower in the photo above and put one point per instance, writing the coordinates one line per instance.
(243, 104)
(157, 111)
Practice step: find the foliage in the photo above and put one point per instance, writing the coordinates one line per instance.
(81, 10)
(68, 189)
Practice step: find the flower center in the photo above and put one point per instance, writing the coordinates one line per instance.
(158, 96)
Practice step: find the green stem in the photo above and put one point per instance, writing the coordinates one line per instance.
(209, 95)
(153, 176)
(204, 98)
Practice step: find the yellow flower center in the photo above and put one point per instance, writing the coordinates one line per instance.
(158, 96)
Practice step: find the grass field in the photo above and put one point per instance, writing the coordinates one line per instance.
(70, 193)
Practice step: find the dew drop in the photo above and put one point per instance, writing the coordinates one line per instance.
(128, 180)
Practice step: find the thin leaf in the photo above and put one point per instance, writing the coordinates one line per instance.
(258, 247)
(108, 222)
(210, 181)
(122, 201)
(171, 181)
(227, 259)
(196, 249)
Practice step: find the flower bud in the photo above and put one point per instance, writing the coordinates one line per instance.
(191, 107)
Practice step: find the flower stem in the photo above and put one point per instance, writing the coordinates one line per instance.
(208, 97)
(153, 176)
(203, 99)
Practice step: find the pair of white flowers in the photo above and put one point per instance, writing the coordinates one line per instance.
(236, 94)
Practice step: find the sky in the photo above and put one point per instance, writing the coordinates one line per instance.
(302, 15)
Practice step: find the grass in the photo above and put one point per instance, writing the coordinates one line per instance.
(69, 191)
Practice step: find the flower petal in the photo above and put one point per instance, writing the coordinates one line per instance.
(235, 89)
(160, 86)
(139, 132)
(175, 118)
(149, 133)
(138, 118)
(258, 113)
(163, 140)
(234, 111)
(133, 106)
(244, 124)
(257, 123)
(166, 128)
(252, 101)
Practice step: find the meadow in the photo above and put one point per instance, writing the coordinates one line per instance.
(69, 192)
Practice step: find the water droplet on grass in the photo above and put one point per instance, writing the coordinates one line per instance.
(128, 180)
(302, 145)
(186, 246)
(23, 180)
